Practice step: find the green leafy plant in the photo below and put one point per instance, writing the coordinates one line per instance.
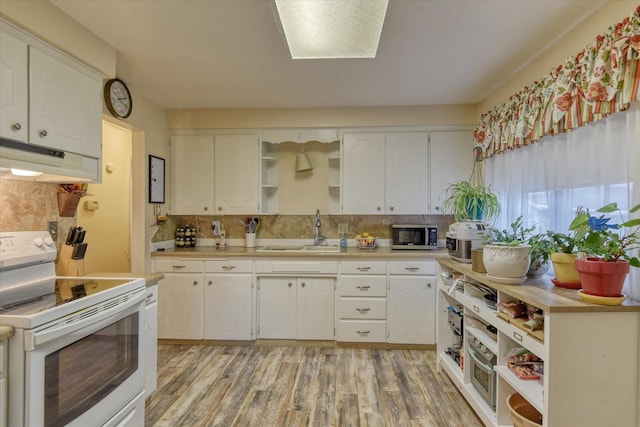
(468, 201)
(517, 235)
(562, 243)
(610, 242)
(541, 247)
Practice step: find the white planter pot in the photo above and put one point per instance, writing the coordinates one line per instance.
(506, 264)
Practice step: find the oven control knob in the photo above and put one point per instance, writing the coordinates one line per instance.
(38, 242)
(48, 241)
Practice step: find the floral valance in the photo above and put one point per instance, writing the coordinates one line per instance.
(602, 79)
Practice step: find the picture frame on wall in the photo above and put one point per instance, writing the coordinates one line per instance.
(156, 179)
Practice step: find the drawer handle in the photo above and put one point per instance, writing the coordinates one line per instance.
(517, 336)
(363, 287)
(364, 268)
(228, 267)
(43, 133)
(476, 309)
(412, 269)
(178, 267)
(363, 310)
(363, 332)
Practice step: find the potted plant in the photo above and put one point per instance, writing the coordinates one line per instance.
(471, 199)
(506, 255)
(540, 254)
(563, 257)
(605, 263)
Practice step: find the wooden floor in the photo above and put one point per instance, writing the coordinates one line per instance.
(302, 386)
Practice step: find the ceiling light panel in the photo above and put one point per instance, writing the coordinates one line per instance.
(326, 29)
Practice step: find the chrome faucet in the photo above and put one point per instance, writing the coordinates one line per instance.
(318, 238)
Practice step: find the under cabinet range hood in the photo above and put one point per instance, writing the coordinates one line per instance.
(48, 164)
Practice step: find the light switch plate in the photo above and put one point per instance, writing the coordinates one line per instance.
(343, 228)
(215, 228)
(53, 230)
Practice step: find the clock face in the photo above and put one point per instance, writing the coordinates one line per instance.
(119, 102)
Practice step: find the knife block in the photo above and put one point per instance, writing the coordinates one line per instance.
(66, 266)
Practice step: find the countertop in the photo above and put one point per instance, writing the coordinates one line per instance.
(351, 253)
(540, 292)
(149, 278)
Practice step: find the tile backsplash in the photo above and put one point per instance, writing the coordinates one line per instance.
(301, 226)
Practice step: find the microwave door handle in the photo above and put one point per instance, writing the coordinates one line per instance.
(36, 338)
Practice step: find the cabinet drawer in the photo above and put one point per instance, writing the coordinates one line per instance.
(228, 266)
(363, 308)
(297, 267)
(179, 266)
(362, 331)
(363, 267)
(363, 286)
(412, 267)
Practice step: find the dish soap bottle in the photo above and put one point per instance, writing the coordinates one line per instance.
(343, 243)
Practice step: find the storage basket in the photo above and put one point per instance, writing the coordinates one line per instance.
(523, 413)
(367, 243)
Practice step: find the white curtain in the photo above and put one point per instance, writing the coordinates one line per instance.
(590, 167)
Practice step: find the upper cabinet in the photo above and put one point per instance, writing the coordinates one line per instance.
(386, 173)
(214, 174)
(452, 160)
(48, 99)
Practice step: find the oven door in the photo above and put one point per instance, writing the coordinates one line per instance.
(483, 378)
(85, 370)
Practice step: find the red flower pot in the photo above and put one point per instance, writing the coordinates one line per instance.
(602, 278)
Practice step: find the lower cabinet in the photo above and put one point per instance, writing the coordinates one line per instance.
(228, 302)
(296, 308)
(4, 397)
(180, 306)
(151, 340)
(411, 310)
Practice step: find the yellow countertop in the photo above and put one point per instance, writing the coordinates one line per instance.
(351, 253)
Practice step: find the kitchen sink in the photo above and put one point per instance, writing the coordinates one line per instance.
(299, 248)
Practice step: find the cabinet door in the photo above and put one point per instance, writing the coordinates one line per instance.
(236, 174)
(192, 174)
(277, 308)
(451, 154)
(180, 306)
(14, 94)
(228, 306)
(364, 173)
(407, 173)
(316, 301)
(65, 108)
(411, 310)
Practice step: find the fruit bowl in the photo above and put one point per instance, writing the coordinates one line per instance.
(367, 242)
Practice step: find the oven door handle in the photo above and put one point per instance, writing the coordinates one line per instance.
(81, 319)
(481, 363)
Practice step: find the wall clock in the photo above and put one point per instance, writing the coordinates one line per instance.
(118, 98)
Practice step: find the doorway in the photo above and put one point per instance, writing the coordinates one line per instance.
(106, 211)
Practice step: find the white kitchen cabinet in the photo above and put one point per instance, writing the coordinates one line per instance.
(192, 190)
(362, 301)
(228, 306)
(296, 308)
(407, 173)
(385, 173)
(363, 176)
(236, 174)
(270, 174)
(451, 154)
(411, 302)
(47, 98)
(180, 306)
(4, 396)
(151, 340)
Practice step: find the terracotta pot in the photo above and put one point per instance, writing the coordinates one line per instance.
(602, 278)
(564, 266)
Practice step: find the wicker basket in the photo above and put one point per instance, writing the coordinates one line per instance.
(523, 413)
(367, 243)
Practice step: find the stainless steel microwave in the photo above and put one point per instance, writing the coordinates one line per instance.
(414, 236)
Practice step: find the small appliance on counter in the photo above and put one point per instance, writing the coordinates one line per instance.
(462, 237)
(414, 236)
